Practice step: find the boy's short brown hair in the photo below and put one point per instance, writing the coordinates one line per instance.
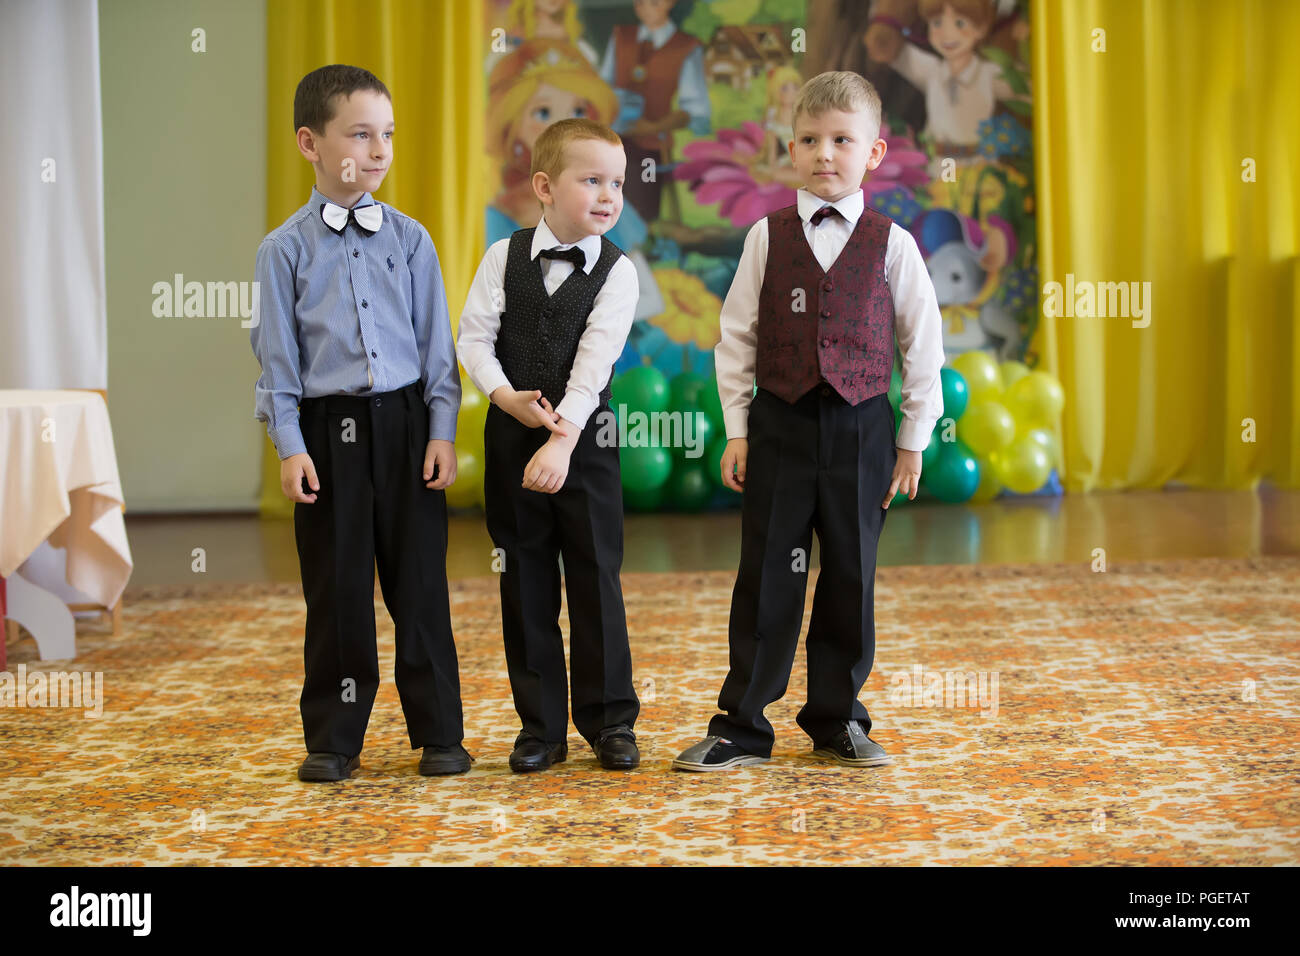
(313, 103)
(838, 90)
(548, 151)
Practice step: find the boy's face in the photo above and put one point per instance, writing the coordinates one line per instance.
(832, 152)
(653, 13)
(355, 151)
(586, 198)
(954, 34)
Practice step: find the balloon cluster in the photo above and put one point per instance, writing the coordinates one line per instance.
(1005, 421)
(671, 474)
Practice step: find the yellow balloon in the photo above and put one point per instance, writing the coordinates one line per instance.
(1046, 437)
(467, 490)
(1037, 399)
(1022, 466)
(989, 486)
(1012, 372)
(473, 411)
(980, 372)
(985, 427)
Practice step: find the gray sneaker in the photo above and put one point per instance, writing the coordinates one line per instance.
(715, 753)
(852, 747)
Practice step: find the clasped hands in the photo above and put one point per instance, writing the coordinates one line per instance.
(549, 466)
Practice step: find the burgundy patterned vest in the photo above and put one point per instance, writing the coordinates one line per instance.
(815, 326)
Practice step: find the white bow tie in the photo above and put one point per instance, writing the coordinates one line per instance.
(369, 218)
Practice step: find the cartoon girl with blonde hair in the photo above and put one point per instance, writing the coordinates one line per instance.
(540, 83)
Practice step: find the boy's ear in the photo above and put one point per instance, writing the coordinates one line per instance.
(542, 188)
(307, 144)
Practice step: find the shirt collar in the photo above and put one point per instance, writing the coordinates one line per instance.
(658, 36)
(850, 207)
(967, 76)
(543, 238)
(317, 197)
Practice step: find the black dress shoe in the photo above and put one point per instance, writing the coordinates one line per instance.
(438, 761)
(853, 748)
(531, 753)
(327, 767)
(616, 748)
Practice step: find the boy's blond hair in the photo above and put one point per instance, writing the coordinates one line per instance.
(839, 90)
(548, 151)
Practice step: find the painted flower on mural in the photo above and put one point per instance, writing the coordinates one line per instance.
(721, 171)
(1003, 136)
(898, 204)
(1019, 289)
(690, 313)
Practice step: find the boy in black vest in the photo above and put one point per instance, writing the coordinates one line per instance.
(820, 292)
(546, 318)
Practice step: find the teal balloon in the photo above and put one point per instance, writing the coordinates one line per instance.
(688, 488)
(644, 468)
(648, 500)
(701, 434)
(641, 389)
(956, 474)
(895, 388)
(955, 393)
(932, 451)
(684, 389)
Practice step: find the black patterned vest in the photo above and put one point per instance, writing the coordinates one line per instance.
(538, 339)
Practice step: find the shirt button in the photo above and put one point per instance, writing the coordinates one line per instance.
(365, 304)
(374, 355)
(355, 253)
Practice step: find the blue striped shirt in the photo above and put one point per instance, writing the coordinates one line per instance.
(350, 314)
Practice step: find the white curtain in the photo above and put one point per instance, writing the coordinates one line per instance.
(53, 323)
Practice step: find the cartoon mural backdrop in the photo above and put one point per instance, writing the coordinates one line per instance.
(703, 95)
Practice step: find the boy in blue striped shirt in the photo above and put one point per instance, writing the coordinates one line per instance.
(359, 391)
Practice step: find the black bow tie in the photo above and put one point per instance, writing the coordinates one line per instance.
(823, 213)
(573, 254)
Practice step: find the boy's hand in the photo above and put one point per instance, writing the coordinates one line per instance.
(443, 454)
(524, 407)
(907, 476)
(734, 457)
(292, 471)
(549, 466)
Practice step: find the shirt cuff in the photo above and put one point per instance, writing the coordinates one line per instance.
(914, 436)
(287, 440)
(576, 409)
(492, 381)
(442, 426)
(735, 422)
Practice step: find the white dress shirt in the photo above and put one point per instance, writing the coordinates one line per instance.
(918, 327)
(601, 343)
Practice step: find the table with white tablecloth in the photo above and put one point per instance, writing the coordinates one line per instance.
(59, 483)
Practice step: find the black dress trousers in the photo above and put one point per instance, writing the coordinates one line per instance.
(373, 507)
(818, 464)
(583, 522)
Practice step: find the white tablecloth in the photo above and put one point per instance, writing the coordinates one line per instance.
(60, 482)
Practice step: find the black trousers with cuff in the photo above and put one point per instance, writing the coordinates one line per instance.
(820, 465)
(582, 523)
(373, 509)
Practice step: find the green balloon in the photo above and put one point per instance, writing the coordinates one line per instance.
(895, 389)
(685, 389)
(644, 468)
(701, 432)
(641, 389)
(956, 395)
(688, 488)
(650, 500)
(955, 475)
(711, 404)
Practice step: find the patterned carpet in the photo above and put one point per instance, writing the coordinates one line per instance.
(1144, 716)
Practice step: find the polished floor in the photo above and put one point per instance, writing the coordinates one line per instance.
(1125, 526)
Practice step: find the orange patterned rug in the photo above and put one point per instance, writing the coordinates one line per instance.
(1036, 715)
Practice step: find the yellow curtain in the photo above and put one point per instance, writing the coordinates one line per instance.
(1144, 152)
(429, 53)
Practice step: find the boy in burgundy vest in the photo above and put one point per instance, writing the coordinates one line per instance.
(821, 292)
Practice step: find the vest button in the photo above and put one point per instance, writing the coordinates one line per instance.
(829, 287)
(826, 313)
(826, 343)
